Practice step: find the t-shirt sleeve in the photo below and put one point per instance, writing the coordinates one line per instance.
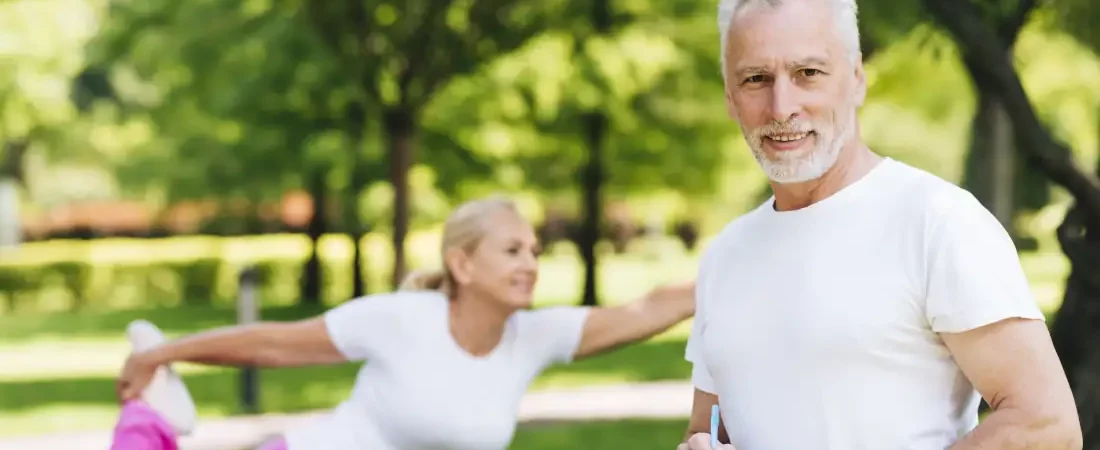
(555, 331)
(359, 326)
(974, 277)
(700, 375)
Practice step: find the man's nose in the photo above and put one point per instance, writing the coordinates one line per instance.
(785, 103)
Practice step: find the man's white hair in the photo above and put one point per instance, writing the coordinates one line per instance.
(845, 14)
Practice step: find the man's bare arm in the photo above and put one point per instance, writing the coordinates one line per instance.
(700, 416)
(1012, 363)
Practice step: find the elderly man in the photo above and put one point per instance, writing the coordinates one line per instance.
(868, 304)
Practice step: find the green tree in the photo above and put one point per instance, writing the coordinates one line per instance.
(35, 81)
(245, 104)
(986, 57)
(633, 105)
(402, 53)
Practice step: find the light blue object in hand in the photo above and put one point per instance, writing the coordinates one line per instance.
(714, 418)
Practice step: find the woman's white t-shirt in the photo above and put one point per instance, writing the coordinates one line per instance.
(419, 389)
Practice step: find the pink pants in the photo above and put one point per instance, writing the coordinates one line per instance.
(141, 428)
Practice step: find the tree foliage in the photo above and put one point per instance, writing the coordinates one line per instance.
(241, 95)
(1079, 18)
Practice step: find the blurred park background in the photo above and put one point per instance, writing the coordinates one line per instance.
(153, 149)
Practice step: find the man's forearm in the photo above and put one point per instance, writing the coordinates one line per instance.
(1008, 429)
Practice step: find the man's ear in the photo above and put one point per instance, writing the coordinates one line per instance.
(457, 263)
(731, 107)
(861, 81)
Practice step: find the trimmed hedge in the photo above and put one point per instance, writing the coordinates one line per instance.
(74, 275)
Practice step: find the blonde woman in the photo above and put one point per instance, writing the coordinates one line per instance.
(448, 357)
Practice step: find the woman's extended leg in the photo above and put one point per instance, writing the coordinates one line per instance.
(165, 410)
(142, 428)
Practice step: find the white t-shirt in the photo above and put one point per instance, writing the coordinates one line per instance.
(419, 389)
(818, 328)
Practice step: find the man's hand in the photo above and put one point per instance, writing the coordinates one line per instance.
(701, 441)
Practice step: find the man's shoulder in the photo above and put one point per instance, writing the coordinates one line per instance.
(928, 193)
(928, 203)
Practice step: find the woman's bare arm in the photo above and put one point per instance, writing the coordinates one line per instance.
(657, 311)
(265, 344)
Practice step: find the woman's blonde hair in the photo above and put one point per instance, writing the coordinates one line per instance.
(464, 229)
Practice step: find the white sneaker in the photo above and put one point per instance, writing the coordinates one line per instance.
(166, 393)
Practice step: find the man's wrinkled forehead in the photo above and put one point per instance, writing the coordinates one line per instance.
(746, 7)
(790, 35)
(748, 4)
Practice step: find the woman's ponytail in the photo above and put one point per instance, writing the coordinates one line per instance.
(433, 280)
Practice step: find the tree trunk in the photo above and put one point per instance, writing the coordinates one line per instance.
(991, 164)
(592, 186)
(1003, 165)
(596, 126)
(357, 118)
(1074, 330)
(401, 131)
(12, 177)
(312, 278)
(358, 266)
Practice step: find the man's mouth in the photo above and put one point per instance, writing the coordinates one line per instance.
(787, 141)
(789, 137)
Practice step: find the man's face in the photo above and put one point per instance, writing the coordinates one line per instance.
(792, 87)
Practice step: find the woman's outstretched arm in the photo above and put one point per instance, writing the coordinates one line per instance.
(266, 344)
(657, 311)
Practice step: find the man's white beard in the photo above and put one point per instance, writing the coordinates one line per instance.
(802, 165)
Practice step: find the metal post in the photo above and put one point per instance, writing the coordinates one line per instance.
(248, 311)
(10, 225)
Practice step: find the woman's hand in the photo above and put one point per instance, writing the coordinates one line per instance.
(136, 375)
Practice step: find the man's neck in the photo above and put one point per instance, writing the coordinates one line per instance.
(853, 163)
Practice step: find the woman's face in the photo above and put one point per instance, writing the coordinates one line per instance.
(504, 266)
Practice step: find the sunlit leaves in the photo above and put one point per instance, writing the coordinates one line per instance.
(40, 42)
(1081, 19)
(1060, 76)
(239, 90)
(524, 111)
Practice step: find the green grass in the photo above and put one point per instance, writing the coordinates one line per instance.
(81, 403)
(58, 369)
(627, 434)
(63, 380)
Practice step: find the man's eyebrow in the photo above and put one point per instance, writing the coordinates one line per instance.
(810, 61)
(751, 69)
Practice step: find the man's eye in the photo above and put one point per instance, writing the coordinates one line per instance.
(755, 79)
(811, 72)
